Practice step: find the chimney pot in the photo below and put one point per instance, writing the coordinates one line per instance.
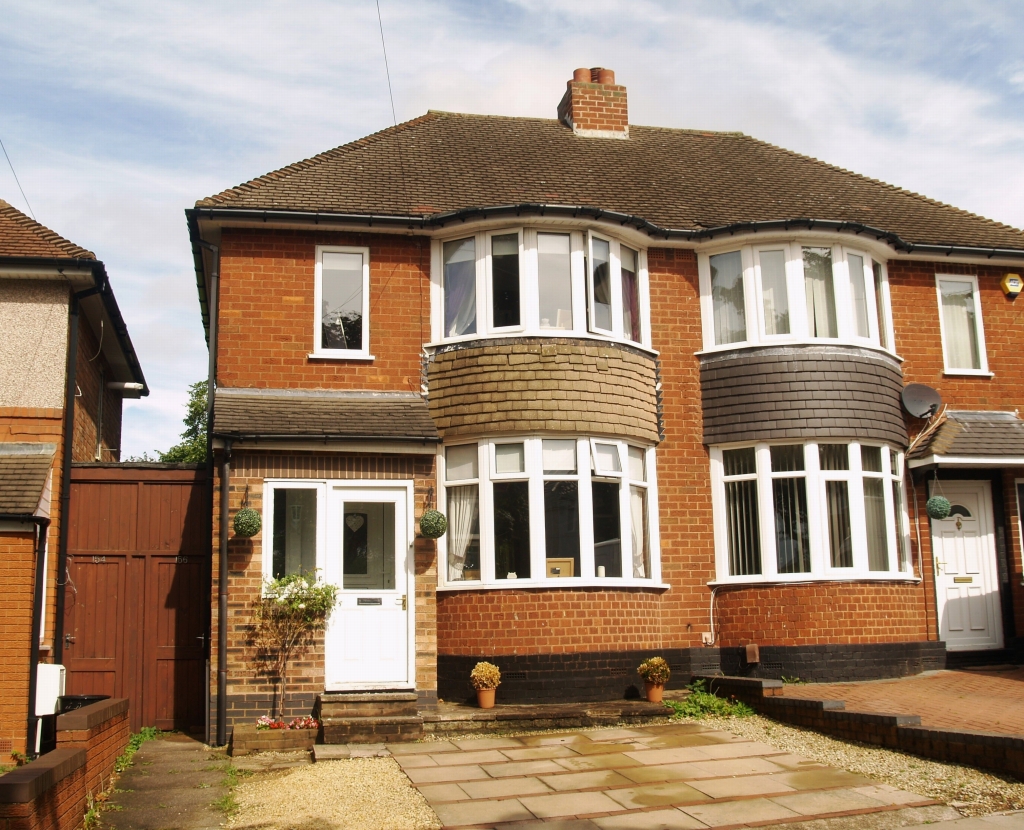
(604, 76)
(581, 76)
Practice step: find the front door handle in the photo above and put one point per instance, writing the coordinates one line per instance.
(404, 601)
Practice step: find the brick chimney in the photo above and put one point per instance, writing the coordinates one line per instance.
(594, 106)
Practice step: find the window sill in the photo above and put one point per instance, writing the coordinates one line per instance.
(566, 584)
(339, 356)
(571, 335)
(771, 344)
(967, 373)
(813, 580)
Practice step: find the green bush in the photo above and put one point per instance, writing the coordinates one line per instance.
(701, 703)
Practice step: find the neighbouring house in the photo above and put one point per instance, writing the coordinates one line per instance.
(653, 377)
(66, 364)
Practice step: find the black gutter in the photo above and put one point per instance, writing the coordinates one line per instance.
(440, 220)
(42, 528)
(222, 601)
(102, 287)
(254, 436)
(67, 449)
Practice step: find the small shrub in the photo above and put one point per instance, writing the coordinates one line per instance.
(485, 676)
(654, 670)
(701, 703)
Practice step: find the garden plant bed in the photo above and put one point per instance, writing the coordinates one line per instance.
(246, 739)
(460, 718)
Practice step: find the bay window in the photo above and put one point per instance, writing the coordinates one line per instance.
(809, 511)
(531, 510)
(788, 292)
(532, 282)
(963, 337)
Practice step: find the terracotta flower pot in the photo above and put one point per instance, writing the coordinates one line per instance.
(485, 698)
(655, 691)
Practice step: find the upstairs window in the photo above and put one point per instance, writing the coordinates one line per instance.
(963, 338)
(533, 282)
(786, 292)
(342, 300)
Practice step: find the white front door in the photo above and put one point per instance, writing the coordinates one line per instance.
(964, 548)
(367, 643)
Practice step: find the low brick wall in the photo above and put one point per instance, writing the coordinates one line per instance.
(988, 750)
(247, 739)
(102, 729)
(48, 794)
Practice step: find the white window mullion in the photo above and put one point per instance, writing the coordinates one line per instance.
(892, 521)
(486, 496)
(579, 258)
(586, 509)
(538, 542)
(858, 522)
(766, 512)
(817, 519)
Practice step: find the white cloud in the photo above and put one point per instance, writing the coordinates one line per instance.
(120, 115)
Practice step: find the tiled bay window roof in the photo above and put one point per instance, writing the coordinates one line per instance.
(678, 180)
(973, 434)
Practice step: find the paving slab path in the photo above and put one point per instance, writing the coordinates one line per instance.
(172, 783)
(977, 701)
(664, 777)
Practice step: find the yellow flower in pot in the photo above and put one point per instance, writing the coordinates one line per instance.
(655, 672)
(485, 678)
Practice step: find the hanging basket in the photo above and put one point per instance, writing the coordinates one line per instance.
(937, 507)
(433, 524)
(247, 523)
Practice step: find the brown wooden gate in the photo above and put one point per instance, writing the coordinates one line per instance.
(137, 590)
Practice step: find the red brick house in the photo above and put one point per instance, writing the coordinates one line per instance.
(66, 364)
(653, 377)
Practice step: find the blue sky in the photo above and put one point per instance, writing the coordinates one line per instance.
(119, 115)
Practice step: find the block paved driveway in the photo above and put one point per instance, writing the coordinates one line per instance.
(977, 701)
(665, 776)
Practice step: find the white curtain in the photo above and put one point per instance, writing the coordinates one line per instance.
(462, 507)
(958, 320)
(637, 497)
(821, 298)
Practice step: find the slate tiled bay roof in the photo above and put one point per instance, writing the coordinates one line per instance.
(21, 235)
(675, 179)
(24, 469)
(968, 434)
(290, 413)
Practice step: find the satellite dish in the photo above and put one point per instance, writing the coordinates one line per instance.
(921, 401)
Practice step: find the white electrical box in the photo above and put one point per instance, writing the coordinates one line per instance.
(49, 687)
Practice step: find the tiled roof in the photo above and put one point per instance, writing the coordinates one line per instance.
(287, 413)
(23, 472)
(678, 179)
(976, 434)
(20, 235)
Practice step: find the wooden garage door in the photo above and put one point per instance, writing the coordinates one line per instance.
(137, 591)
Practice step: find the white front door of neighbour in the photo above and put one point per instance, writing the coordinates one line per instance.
(367, 642)
(966, 590)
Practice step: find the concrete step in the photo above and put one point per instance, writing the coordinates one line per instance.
(365, 730)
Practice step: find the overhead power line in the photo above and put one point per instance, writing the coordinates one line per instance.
(23, 196)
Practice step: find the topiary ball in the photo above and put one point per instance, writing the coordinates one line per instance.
(937, 507)
(247, 523)
(433, 524)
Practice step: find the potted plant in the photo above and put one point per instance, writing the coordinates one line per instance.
(485, 678)
(655, 672)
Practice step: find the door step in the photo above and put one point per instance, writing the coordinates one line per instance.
(369, 717)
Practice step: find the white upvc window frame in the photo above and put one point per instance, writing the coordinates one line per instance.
(340, 354)
(753, 286)
(817, 515)
(270, 486)
(489, 283)
(581, 266)
(979, 323)
(535, 476)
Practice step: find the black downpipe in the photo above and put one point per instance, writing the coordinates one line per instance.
(42, 528)
(65, 478)
(222, 600)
